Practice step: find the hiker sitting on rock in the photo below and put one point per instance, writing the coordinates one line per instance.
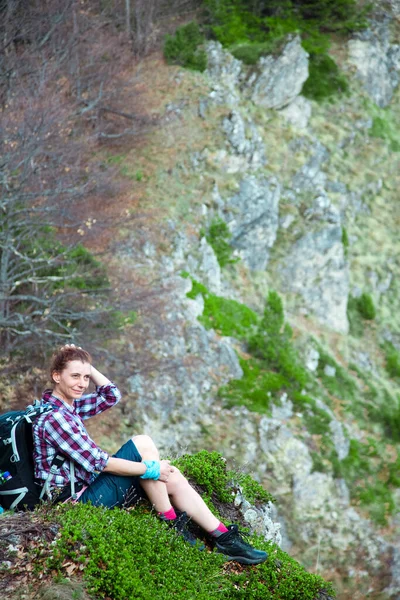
(116, 480)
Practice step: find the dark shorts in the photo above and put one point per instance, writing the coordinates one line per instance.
(116, 490)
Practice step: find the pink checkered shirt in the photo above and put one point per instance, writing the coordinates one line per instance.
(63, 431)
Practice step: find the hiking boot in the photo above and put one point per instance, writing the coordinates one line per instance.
(180, 525)
(234, 547)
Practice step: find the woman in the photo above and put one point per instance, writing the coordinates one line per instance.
(116, 480)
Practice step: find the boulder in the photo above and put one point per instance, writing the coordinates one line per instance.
(277, 81)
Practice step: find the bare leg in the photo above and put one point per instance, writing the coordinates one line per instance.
(156, 491)
(183, 496)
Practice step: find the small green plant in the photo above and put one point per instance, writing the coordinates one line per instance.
(366, 307)
(183, 48)
(218, 236)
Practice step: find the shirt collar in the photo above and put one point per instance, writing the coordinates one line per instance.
(48, 396)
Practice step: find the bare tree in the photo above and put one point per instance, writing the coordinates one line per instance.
(60, 85)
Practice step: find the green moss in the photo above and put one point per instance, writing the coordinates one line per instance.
(208, 469)
(218, 236)
(183, 48)
(386, 412)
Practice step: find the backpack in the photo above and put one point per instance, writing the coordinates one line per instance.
(21, 491)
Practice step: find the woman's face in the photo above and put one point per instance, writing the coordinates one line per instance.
(72, 381)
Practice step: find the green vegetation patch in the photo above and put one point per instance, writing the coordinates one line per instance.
(256, 388)
(385, 126)
(183, 48)
(370, 485)
(341, 385)
(227, 317)
(218, 236)
(272, 343)
(132, 554)
(359, 310)
(325, 79)
(208, 469)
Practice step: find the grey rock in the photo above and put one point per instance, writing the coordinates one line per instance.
(209, 267)
(322, 209)
(253, 219)
(310, 176)
(377, 63)
(287, 456)
(279, 80)
(315, 269)
(225, 73)
(297, 113)
(312, 359)
(284, 410)
(340, 440)
(244, 139)
(329, 371)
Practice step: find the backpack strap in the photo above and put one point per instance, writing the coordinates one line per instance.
(39, 407)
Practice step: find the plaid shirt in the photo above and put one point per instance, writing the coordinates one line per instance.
(62, 430)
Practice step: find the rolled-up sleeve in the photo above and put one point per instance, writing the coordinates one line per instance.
(102, 399)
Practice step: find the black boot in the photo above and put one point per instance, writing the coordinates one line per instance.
(234, 547)
(180, 525)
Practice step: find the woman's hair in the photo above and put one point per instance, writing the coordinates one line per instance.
(64, 355)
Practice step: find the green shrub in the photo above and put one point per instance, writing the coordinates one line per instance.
(366, 307)
(218, 236)
(325, 79)
(183, 48)
(272, 343)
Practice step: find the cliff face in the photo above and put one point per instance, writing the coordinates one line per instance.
(307, 195)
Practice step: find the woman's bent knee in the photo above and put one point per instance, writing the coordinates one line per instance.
(145, 444)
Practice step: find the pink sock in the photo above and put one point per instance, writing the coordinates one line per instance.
(169, 515)
(219, 531)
